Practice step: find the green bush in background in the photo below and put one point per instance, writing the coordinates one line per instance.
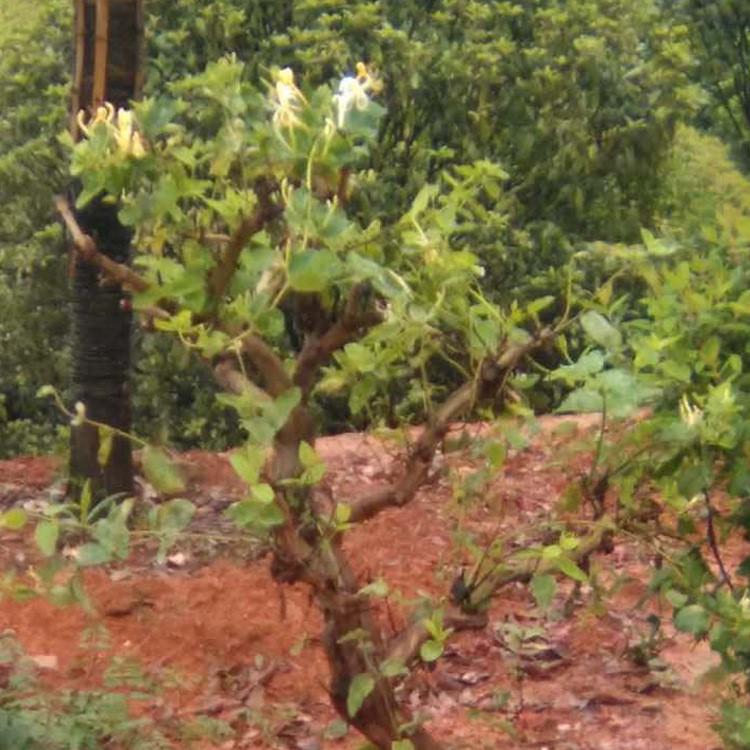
(570, 106)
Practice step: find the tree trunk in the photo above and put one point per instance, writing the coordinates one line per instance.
(109, 63)
(102, 324)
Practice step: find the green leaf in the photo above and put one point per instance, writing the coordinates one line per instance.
(315, 469)
(543, 589)
(692, 619)
(378, 588)
(336, 730)
(312, 270)
(402, 745)
(161, 472)
(14, 519)
(552, 552)
(571, 569)
(676, 598)
(247, 463)
(431, 650)
(600, 330)
(496, 453)
(175, 515)
(393, 668)
(361, 686)
(106, 436)
(263, 493)
(84, 504)
(92, 554)
(256, 514)
(582, 401)
(307, 455)
(79, 595)
(588, 364)
(342, 514)
(46, 535)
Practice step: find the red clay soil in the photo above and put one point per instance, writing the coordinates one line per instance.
(227, 642)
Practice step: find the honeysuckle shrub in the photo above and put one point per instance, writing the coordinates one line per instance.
(249, 253)
(681, 472)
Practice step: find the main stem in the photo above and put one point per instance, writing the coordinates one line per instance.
(303, 554)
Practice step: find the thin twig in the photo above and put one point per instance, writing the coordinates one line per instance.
(712, 541)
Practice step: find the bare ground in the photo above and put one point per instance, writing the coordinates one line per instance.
(226, 642)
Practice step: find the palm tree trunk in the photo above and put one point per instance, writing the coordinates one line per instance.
(102, 323)
(109, 64)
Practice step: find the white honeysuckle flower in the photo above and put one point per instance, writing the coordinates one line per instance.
(353, 92)
(80, 414)
(690, 414)
(124, 130)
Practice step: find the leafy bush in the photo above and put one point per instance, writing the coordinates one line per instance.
(34, 63)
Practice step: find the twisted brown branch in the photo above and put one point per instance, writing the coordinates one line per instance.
(405, 647)
(85, 245)
(271, 367)
(265, 211)
(318, 349)
(492, 373)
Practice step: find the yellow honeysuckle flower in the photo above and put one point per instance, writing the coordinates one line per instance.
(690, 414)
(104, 115)
(137, 149)
(129, 142)
(366, 76)
(286, 100)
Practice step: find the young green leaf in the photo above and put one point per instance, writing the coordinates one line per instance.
(361, 686)
(692, 619)
(106, 436)
(14, 519)
(571, 569)
(543, 589)
(600, 330)
(431, 650)
(46, 535)
(161, 472)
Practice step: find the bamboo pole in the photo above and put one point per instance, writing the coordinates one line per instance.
(101, 48)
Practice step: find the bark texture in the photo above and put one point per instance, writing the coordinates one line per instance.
(102, 323)
(109, 65)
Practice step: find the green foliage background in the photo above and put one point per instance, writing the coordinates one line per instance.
(35, 43)
(577, 102)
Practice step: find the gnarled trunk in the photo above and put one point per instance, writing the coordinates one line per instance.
(353, 641)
